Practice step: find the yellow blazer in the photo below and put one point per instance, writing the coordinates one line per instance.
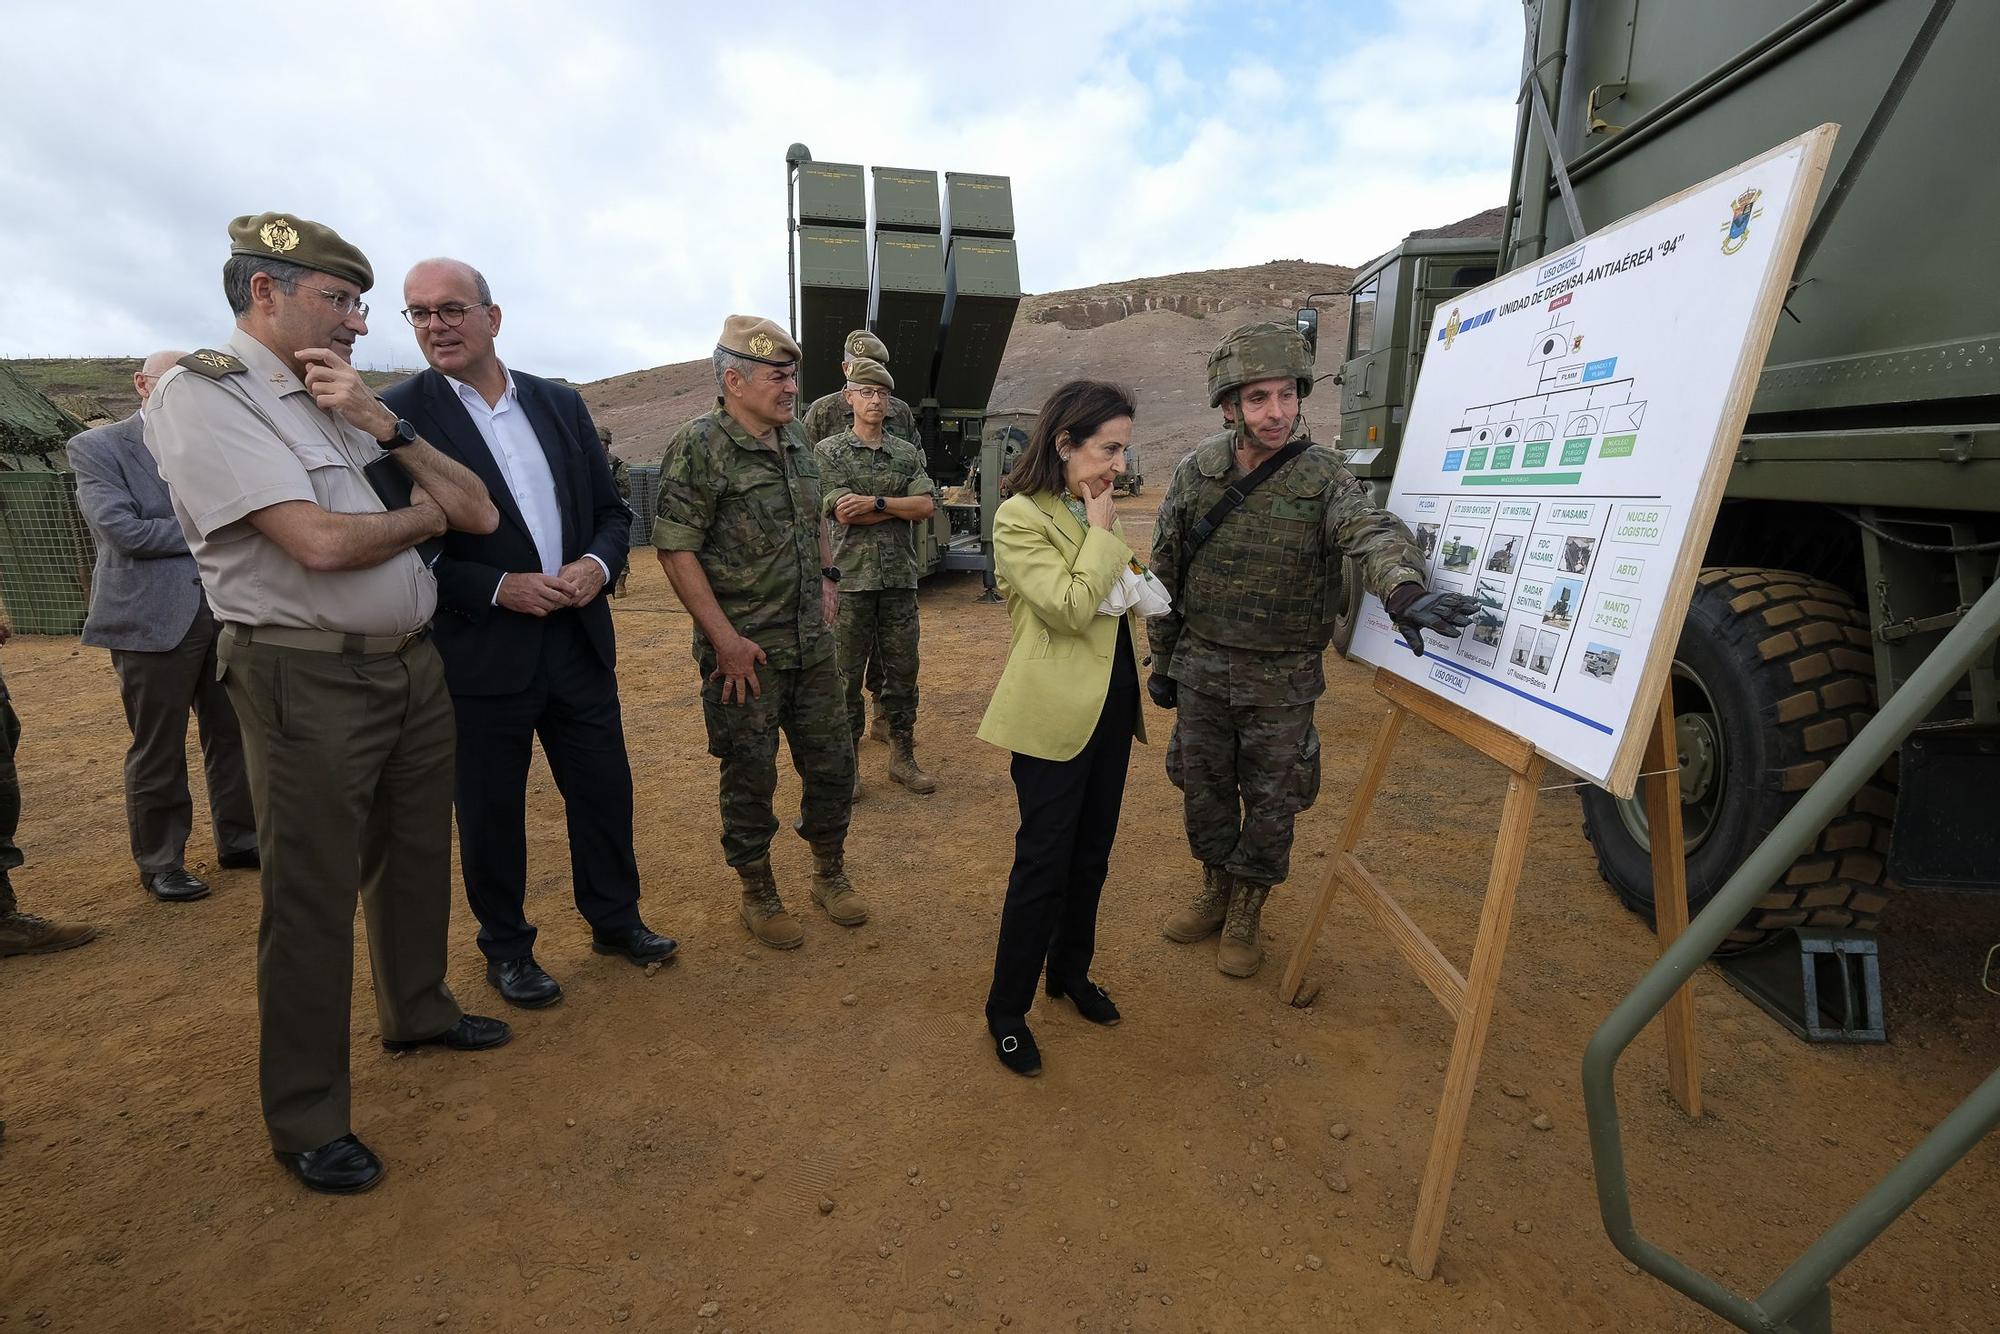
(1054, 572)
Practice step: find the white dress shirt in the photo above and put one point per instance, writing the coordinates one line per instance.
(510, 437)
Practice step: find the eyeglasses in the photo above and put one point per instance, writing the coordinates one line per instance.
(343, 303)
(872, 393)
(450, 315)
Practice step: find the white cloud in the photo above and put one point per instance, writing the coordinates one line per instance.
(616, 167)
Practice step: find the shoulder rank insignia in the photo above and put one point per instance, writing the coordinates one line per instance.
(211, 363)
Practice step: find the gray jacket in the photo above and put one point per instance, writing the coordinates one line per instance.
(146, 589)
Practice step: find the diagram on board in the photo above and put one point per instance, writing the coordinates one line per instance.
(1563, 444)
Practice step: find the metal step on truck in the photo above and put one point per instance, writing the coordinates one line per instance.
(1862, 517)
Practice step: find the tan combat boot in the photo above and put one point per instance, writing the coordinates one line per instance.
(25, 933)
(1240, 954)
(857, 771)
(878, 723)
(764, 912)
(831, 888)
(1203, 917)
(903, 765)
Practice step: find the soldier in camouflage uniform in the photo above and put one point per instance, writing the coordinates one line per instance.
(875, 492)
(621, 482)
(20, 932)
(740, 536)
(1240, 653)
(831, 413)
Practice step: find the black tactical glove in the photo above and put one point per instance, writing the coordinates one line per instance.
(1415, 611)
(1166, 691)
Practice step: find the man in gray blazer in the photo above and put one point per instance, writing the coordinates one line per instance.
(147, 607)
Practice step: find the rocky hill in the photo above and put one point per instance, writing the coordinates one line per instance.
(1152, 335)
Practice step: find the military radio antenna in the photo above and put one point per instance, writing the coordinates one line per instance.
(795, 157)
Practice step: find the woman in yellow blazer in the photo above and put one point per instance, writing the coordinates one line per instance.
(1067, 705)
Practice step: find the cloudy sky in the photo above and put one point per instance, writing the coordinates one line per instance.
(617, 169)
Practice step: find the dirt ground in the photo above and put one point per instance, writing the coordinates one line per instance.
(822, 1140)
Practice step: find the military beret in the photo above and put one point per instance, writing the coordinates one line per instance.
(861, 343)
(757, 340)
(867, 370)
(309, 245)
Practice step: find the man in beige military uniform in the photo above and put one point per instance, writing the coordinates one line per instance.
(278, 457)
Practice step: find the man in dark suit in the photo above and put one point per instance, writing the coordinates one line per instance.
(525, 634)
(147, 607)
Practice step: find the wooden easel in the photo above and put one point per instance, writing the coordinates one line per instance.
(1468, 998)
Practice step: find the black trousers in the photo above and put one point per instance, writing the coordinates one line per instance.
(572, 705)
(1062, 852)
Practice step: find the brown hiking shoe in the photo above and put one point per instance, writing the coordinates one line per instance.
(903, 765)
(25, 933)
(1240, 954)
(1203, 917)
(764, 912)
(831, 888)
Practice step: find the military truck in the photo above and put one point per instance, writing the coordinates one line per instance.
(1863, 513)
(933, 273)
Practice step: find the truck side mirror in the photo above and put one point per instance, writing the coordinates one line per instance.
(1308, 326)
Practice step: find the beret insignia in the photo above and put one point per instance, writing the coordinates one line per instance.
(279, 236)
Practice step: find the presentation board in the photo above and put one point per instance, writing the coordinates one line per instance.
(1572, 429)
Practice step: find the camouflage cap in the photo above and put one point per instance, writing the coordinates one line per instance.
(309, 245)
(604, 435)
(757, 339)
(861, 343)
(1262, 351)
(867, 370)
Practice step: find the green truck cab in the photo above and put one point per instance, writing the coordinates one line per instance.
(1862, 517)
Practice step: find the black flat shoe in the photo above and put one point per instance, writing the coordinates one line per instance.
(522, 982)
(1092, 1001)
(472, 1032)
(246, 860)
(343, 1167)
(637, 944)
(176, 886)
(1015, 1046)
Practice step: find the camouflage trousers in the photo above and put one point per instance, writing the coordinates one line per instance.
(1244, 772)
(10, 801)
(879, 630)
(803, 703)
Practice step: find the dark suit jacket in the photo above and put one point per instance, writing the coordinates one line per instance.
(146, 589)
(488, 650)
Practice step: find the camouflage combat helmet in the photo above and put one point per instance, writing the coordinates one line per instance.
(1253, 352)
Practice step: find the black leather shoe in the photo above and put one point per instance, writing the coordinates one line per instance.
(1092, 1001)
(176, 886)
(344, 1167)
(522, 982)
(472, 1032)
(1015, 1046)
(246, 860)
(635, 943)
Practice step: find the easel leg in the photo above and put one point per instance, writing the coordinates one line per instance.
(1670, 905)
(1482, 980)
(1350, 836)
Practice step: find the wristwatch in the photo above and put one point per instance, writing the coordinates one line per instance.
(402, 433)
(881, 503)
(831, 572)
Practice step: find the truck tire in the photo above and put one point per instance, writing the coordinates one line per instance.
(1349, 612)
(1772, 677)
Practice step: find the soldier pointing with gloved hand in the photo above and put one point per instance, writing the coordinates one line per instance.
(1250, 542)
